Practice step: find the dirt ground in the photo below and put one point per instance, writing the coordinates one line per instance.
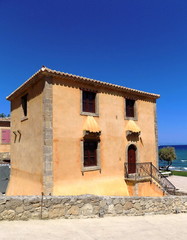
(153, 227)
(179, 182)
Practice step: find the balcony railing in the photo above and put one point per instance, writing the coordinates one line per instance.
(147, 170)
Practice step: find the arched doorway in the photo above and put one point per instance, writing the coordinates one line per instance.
(132, 159)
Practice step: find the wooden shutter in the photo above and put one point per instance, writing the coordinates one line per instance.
(89, 101)
(5, 136)
(131, 159)
(90, 153)
(130, 108)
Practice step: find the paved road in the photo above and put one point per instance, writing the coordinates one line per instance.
(179, 182)
(157, 227)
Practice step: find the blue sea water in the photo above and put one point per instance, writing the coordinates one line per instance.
(180, 163)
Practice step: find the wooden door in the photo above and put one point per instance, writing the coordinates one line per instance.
(132, 159)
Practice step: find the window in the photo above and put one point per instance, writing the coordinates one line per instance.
(24, 104)
(5, 136)
(90, 147)
(90, 153)
(89, 102)
(130, 108)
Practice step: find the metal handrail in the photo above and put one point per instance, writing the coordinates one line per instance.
(147, 169)
(163, 181)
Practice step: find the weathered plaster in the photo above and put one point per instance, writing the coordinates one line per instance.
(156, 135)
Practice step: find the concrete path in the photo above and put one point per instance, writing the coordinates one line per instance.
(179, 182)
(157, 227)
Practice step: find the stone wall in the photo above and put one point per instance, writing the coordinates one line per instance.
(87, 206)
(48, 138)
(4, 156)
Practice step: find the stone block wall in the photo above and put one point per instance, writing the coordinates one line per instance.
(87, 206)
(4, 156)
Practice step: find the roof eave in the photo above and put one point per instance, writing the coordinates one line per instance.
(46, 71)
(104, 84)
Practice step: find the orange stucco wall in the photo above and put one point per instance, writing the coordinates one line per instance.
(147, 144)
(145, 189)
(68, 132)
(68, 178)
(26, 152)
(149, 189)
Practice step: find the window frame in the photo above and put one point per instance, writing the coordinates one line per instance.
(82, 112)
(135, 109)
(24, 107)
(95, 167)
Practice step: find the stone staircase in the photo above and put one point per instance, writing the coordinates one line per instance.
(146, 171)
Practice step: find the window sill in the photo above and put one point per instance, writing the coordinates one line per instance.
(24, 119)
(131, 118)
(93, 168)
(89, 114)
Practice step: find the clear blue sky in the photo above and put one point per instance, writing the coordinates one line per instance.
(140, 44)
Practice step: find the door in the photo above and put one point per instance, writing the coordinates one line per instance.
(132, 159)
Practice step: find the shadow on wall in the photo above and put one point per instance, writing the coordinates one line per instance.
(133, 137)
(71, 82)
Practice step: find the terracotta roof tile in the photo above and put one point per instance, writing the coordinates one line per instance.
(50, 72)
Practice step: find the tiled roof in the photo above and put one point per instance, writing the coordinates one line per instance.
(49, 72)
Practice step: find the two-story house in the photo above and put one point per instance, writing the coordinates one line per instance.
(73, 135)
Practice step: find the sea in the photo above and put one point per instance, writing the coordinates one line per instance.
(179, 164)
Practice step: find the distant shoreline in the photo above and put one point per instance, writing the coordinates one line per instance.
(180, 164)
(172, 145)
(177, 169)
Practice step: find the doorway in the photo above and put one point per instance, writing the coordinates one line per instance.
(132, 159)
